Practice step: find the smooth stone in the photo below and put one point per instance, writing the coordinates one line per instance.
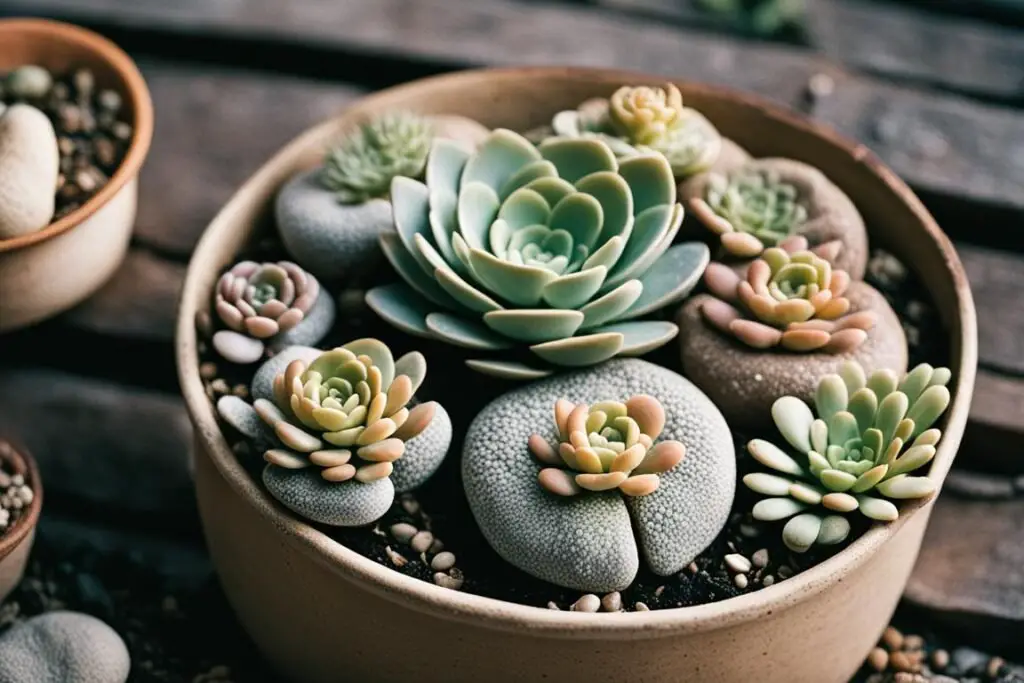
(262, 385)
(59, 647)
(329, 239)
(238, 348)
(29, 166)
(424, 453)
(587, 542)
(744, 382)
(349, 503)
(314, 326)
(970, 572)
(979, 485)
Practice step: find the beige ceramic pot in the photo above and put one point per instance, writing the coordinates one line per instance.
(16, 541)
(46, 272)
(321, 612)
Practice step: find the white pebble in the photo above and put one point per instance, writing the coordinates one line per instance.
(587, 603)
(641, 607)
(760, 558)
(5, 480)
(18, 480)
(612, 602)
(737, 563)
(442, 562)
(422, 541)
(768, 581)
(237, 348)
(740, 580)
(552, 605)
(446, 581)
(403, 532)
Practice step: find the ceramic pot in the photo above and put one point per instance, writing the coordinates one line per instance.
(16, 541)
(46, 272)
(321, 612)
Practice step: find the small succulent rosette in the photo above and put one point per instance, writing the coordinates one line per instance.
(329, 217)
(557, 249)
(581, 499)
(641, 119)
(609, 445)
(260, 304)
(855, 451)
(339, 432)
(756, 204)
(790, 298)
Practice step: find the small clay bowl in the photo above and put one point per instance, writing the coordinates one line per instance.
(16, 540)
(49, 271)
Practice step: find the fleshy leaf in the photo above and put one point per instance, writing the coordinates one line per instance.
(465, 333)
(770, 455)
(774, 509)
(401, 307)
(642, 336)
(793, 417)
(650, 178)
(507, 369)
(830, 397)
(534, 325)
(501, 155)
(407, 266)
(610, 306)
(575, 289)
(670, 278)
(579, 351)
(578, 157)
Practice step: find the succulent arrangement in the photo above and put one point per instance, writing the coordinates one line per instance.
(555, 247)
(609, 445)
(552, 255)
(857, 450)
(641, 119)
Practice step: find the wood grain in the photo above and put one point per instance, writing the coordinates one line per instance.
(996, 278)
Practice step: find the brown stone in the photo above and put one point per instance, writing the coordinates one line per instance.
(745, 382)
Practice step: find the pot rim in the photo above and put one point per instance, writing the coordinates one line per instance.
(507, 616)
(118, 62)
(23, 461)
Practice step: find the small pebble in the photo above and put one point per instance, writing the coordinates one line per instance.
(436, 547)
(737, 563)
(453, 581)
(904, 661)
(995, 667)
(421, 541)
(906, 677)
(587, 603)
(784, 571)
(749, 531)
(396, 558)
(913, 642)
(411, 506)
(892, 638)
(878, 659)
(768, 580)
(204, 324)
(760, 558)
(403, 532)
(741, 581)
(658, 591)
(552, 605)
(612, 602)
(29, 82)
(240, 390)
(641, 607)
(442, 562)
(820, 85)
(940, 660)
(208, 370)
(219, 386)
(692, 568)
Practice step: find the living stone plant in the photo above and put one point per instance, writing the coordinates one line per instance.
(339, 431)
(856, 451)
(557, 247)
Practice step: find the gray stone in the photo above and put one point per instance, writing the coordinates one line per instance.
(423, 453)
(63, 646)
(262, 385)
(328, 238)
(313, 327)
(241, 415)
(979, 485)
(348, 503)
(237, 347)
(587, 542)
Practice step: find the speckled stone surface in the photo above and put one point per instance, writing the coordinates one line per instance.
(424, 453)
(263, 381)
(329, 239)
(241, 415)
(61, 647)
(744, 382)
(313, 327)
(587, 542)
(348, 503)
(831, 215)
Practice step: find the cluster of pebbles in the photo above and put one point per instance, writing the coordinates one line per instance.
(91, 123)
(419, 538)
(15, 493)
(908, 658)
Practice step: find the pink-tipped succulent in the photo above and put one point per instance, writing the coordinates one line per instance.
(264, 300)
(791, 297)
(609, 445)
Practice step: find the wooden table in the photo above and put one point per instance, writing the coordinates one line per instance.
(936, 94)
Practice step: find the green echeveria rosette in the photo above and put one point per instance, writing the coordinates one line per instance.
(362, 166)
(558, 246)
(857, 453)
(641, 120)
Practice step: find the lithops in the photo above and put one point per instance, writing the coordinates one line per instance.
(763, 202)
(609, 445)
(642, 119)
(329, 217)
(855, 450)
(29, 166)
(592, 540)
(342, 430)
(268, 303)
(556, 248)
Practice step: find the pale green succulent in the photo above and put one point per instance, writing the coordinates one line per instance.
(758, 203)
(553, 246)
(363, 165)
(869, 434)
(640, 120)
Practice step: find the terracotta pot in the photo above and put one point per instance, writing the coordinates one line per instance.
(321, 612)
(16, 541)
(46, 272)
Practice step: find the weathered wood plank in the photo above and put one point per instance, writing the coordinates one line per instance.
(101, 443)
(140, 301)
(996, 284)
(959, 148)
(912, 43)
(214, 128)
(994, 438)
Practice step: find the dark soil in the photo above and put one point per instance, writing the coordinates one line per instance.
(442, 508)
